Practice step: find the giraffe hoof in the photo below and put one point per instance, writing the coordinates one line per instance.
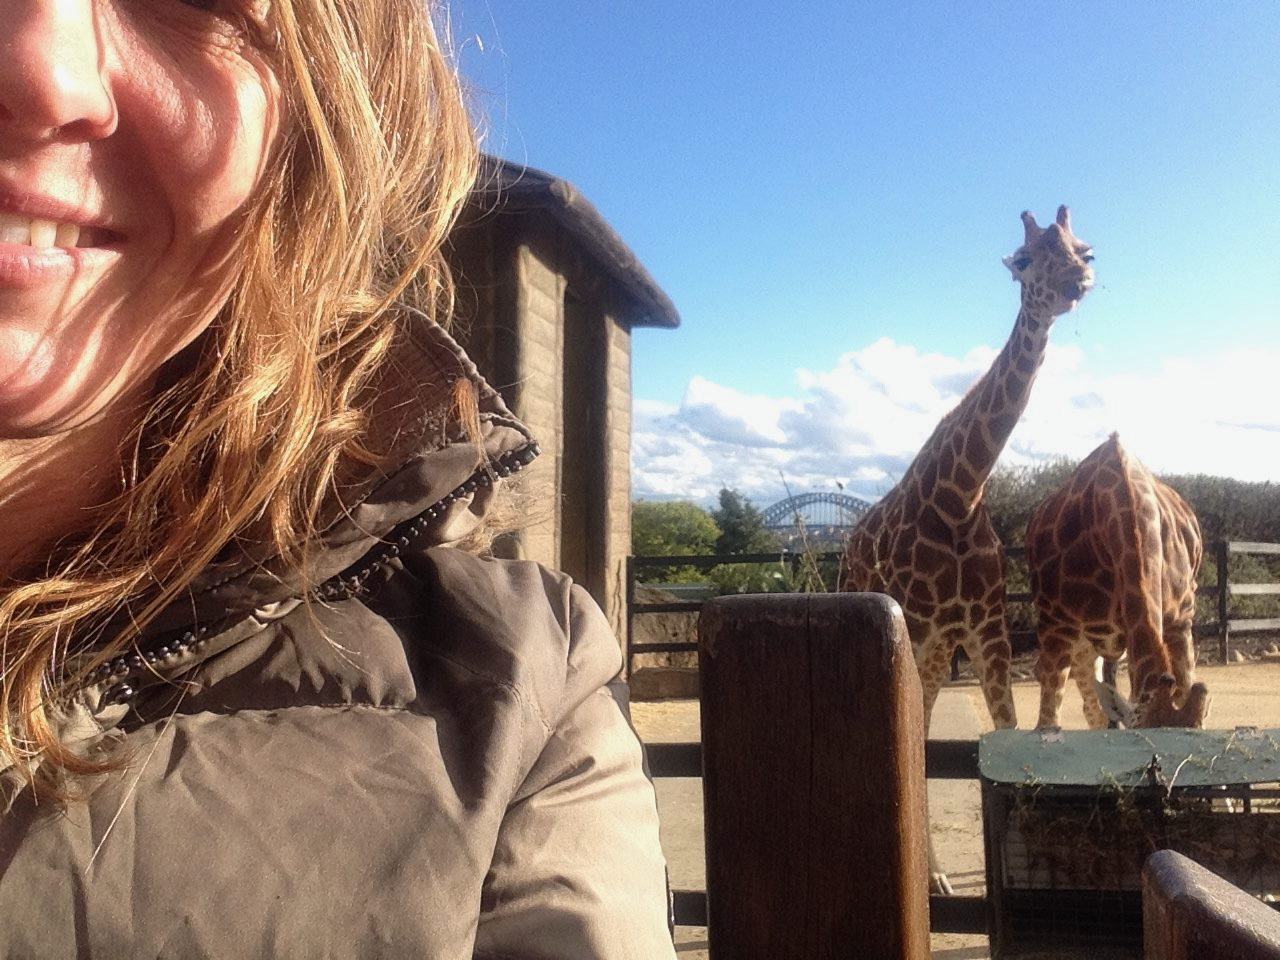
(939, 884)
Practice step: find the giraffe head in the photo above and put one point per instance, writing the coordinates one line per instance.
(1053, 265)
(1157, 707)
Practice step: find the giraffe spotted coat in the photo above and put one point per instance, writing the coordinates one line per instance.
(1113, 557)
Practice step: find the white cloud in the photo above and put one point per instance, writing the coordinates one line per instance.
(861, 422)
(735, 417)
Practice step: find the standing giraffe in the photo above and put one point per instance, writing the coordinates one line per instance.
(1113, 557)
(928, 542)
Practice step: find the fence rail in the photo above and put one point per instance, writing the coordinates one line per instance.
(1222, 626)
(944, 760)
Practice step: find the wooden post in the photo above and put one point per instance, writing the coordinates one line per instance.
(814, 789)
(1221, 554)
(630, 613)
(1189, 913)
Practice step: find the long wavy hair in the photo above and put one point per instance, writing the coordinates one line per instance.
(251, 425)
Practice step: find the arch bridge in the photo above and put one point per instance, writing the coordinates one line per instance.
(836, 512)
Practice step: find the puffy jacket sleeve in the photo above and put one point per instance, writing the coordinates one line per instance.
(578, 873)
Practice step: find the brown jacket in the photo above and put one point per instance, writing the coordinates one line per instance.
(423, 756)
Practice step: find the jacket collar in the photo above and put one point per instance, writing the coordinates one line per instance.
(436, 490)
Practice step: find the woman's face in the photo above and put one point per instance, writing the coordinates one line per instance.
(131, 134)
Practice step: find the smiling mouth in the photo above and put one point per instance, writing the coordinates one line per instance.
(48, 234)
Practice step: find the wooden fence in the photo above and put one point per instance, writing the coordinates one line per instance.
(1189, 913)
(1222, 626)
(944, 759)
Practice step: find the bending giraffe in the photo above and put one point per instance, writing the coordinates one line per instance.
(928, 542)
(1113, 557)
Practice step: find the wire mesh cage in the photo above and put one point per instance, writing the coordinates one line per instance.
(1070, 818)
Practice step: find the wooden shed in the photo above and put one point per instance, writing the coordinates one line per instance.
(548, 295)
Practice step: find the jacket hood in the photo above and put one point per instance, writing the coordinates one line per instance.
(435, 488)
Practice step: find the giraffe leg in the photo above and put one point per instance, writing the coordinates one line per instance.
(989, 650)
(1084, 662)
(1051, 672)
(933, 662)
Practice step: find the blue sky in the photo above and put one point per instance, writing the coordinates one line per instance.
(825, 190)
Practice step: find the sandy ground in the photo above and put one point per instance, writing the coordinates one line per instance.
(1243, 694)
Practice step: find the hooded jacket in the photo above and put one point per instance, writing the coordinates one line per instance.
(409, 751)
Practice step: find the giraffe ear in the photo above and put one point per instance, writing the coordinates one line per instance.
(1064, 218)
(1017, 263)
(1116, 708)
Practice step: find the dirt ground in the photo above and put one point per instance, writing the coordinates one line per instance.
(1244, 694)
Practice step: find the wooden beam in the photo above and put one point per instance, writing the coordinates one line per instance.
(1245, 546)
(1190, 913)
(813, 754)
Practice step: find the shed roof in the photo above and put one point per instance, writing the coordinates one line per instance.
(506, 187)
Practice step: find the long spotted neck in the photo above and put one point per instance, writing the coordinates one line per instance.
(1138, 576)
(964, 447)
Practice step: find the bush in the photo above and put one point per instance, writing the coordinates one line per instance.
(661, 528)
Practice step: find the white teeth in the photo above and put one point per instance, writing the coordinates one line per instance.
(14, 229)
(68, 235)
(41, 234)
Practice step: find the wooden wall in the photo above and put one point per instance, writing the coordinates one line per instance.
(541, 323)
(536, 394)
(617, 477)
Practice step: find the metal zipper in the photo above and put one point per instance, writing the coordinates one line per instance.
(343, 586)
(347, 585)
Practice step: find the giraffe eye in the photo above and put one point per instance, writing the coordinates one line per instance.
(1022, 263)
(1087, 258)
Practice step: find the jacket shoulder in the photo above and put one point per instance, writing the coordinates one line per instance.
(516, 623)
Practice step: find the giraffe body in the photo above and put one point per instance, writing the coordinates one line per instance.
(928, 542)
(1113, 557)
(947, 574)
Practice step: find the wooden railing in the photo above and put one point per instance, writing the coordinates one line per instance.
(1189, 913)
(815, 839)
(760, 666)
(1222, 626)
(1225, 590)
(944, 760)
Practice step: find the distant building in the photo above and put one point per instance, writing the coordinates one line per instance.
(548, 295)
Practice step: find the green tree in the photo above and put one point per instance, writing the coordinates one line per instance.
(1231, 509)
(742, 528)
(773, 577)
(1013, 493)
(661, 528)
(671, 528)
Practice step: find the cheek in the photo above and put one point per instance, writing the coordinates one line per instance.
(249, 132)
(26, 358)
(203, 121)
(223, 154)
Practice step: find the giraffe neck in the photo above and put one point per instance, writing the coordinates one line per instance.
(967, 442)
(1140, 576)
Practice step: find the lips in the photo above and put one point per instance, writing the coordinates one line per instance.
(1075, 288)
